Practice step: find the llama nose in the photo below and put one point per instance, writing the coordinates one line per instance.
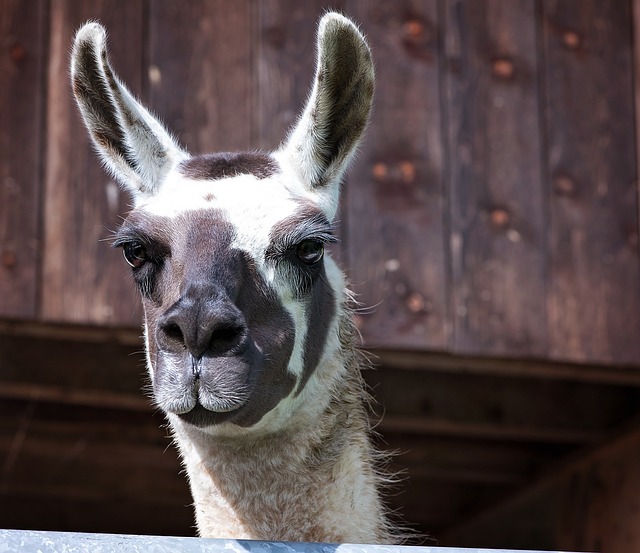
(203, 326)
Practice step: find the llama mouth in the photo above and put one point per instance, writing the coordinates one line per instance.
(202, 417)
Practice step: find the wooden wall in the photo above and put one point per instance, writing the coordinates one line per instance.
(492, 210)
(489, 227)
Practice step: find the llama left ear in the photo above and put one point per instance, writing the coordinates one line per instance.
(325, 138)
(133, 145)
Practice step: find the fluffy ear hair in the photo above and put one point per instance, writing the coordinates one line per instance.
(133, 145)
(322, 143)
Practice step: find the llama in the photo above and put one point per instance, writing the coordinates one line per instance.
(248, 334)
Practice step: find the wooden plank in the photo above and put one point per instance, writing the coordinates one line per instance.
(519, 368)
(68, 458)
(395, 228)
(497, 212)
(505, 408)
(284, 58)
(594, 290)
(452, 459)
(69, 396)
(64, 468)
(636, 87)
(41, 420)
(83, 279)
(74, 333)
(23, 32)
(453, 500)
(131, 515)
(599, 508)
(200, 73)
(71, 367)
(424, 427)
(588, 503)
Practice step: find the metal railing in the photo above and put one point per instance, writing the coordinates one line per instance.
(28, 541)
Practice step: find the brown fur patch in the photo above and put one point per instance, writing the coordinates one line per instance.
(224, 165)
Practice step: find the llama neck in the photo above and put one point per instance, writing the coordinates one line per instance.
(316, 482)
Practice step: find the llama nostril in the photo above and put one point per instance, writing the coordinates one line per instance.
(226, 337)
(174, 333)
(214, 338)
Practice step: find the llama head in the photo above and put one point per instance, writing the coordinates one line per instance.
(241, 304)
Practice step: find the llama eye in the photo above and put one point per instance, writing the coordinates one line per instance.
(310, 251)
(135, 254)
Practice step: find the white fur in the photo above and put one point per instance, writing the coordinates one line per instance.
(144, 138)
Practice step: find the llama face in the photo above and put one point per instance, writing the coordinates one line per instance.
(233, 277)
(227, 250)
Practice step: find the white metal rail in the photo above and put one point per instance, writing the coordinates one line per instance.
(28, 541)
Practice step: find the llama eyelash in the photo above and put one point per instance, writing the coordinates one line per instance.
(317, 228)
(281, 250)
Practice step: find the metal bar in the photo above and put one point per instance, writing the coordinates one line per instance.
(28, 541)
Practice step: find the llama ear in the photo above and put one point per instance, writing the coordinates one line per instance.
(322, 143)
(133, 145)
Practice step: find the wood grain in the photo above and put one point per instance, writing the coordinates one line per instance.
(588, 503)
(83, 279)
(636, 89)
(81, 464)
(599, 508)
(497, 240)
(515, 408)
(284, 63)
(594, 274)
(395, 225)
(199, 71)
(23, 32)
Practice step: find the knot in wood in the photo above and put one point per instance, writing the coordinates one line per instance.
(503, 68)
(407, 171)
(412, 28)
(9, 259)
(17, 52)
(500, 217)
(564, 185)
(276, 37)
(572, 40)
(380, 171)
(415, 303)
(402, 171)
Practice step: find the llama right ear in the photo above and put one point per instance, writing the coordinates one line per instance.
(325, 138)
(133, 145)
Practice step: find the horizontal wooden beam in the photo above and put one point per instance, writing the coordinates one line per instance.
(460, 474)
(71, 332)
(71, 396)
(620, 450)
(484, 431)
(141, 514)
(526, 368)
(422, 426)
